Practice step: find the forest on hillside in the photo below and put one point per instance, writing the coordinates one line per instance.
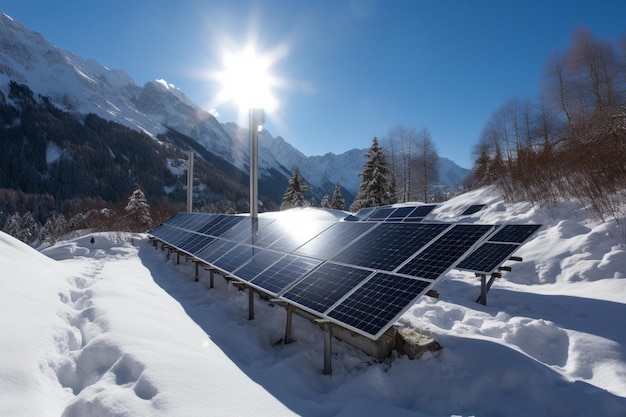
(568, 144)
(58, 163)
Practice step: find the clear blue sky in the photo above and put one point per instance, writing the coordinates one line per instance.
(351, 69)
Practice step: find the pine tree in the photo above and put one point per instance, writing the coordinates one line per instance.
(325, 203)
(337, 201)
(294, 194)
(374, 189)
(138, 211)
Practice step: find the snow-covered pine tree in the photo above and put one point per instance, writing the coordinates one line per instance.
(325, 203)
(337, 201)
(138, 211)
(294, 194)
(375, 189)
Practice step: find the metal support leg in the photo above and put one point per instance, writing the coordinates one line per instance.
(483, 289)
(197, 271)
(211, 279)
(250, 303)
(327, 349)
(177, 258)
(288, 326)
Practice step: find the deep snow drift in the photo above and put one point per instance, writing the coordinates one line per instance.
(114, 328)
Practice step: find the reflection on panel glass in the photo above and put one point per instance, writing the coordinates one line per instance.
(334, 239)
(389, 245)
(325, 286)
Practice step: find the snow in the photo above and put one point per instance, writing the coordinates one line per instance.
(115, 328)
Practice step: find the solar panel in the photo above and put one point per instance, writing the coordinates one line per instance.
(487, 257)
(333, 240)
(380, 214)
(295, 236)
(323, 287)
(269, 234)
(444, 252)
(514, 233)
(212, 221)
(215, 250)
(178, 219)
(235, 257)
(374, 306)
(400, 213)
(421, 211)
(224, 225)
(194, 242)
(284, 272)
(362, 275)
(389, 244)
(260, 261)
(475, 208)
(242, 232)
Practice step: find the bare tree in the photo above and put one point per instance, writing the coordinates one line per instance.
(426, 163)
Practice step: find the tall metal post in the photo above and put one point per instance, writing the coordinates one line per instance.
(257, 118)
(190, 183)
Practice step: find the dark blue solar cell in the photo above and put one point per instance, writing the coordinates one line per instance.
(473, 209)
(159, 230)
(332, 240)
(225, 225)
(441, 255)
(283, 273)
(389, 245)
(380, 214)
(421, 211)
(487, 257)
(514, 233)
(177, 236)
(325, 286)
(378, 303)
(261, 260)
(194, 242)
(212, 222)
(236, 257)
(215, 250)
(400, 213)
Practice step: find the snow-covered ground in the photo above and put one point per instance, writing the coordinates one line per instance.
(114, 328)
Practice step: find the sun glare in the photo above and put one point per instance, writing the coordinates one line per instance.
(246, 80)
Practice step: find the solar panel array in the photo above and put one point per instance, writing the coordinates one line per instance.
(360, 274)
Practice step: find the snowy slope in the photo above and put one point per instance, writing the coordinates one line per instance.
(116, 329)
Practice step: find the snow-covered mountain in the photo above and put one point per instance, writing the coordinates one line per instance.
(85, 86)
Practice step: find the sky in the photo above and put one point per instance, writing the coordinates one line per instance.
(343, 71)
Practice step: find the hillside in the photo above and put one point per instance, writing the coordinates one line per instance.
(78, 87)
(117, 329)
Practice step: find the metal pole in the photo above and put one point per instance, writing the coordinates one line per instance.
(190, 183)
(288, 326)
(327, 349)
(257, 118)
(254, 158)
(250, 303)
(483, 289)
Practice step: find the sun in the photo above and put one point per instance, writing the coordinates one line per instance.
(246, 79)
